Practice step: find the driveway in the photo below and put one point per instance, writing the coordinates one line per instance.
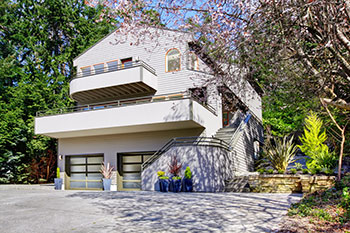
(84, 211)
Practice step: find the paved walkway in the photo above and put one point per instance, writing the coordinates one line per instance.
(82, 211)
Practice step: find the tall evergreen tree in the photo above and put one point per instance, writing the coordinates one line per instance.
(38, 42)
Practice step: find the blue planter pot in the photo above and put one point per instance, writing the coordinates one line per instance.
(187, 185)
(58, 183)
(163, 185)
(176, 185)
(107, 184)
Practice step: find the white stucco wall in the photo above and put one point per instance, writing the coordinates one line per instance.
(210, 167)
(110, 145)
(172, 114)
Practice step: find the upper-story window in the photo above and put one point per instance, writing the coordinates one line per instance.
(99, 68)
(173, 62)
(193, 63)
(126, 62)
(112, 65)
(86, 71)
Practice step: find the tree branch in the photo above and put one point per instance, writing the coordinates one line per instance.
(342, 104)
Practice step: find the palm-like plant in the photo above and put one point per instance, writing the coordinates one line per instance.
(281, 154)
(106, 170)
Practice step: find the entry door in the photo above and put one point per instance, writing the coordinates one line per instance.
(129, 169)
(84, 171)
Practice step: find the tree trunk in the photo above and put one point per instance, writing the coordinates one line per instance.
(341, 153)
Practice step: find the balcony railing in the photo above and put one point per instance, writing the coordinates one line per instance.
(107, 69)
(125, 102)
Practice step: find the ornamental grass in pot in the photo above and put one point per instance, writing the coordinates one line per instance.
(106, 172)
(174, 170)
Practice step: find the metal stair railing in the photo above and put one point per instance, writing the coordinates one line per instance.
(238, 132)
(185, 141)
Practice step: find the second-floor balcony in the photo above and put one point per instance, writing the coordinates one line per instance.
(152, 113)
(131, 79)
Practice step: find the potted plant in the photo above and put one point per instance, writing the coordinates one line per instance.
(106, 171)
(174, 169)
(163, 181)
(187, 183)
(58, 180)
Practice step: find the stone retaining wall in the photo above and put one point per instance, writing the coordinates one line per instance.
(279, 183)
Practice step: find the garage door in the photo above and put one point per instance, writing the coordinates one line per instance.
(129, 169)
(84, 171)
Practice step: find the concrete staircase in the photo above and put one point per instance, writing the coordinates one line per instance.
(225, 134)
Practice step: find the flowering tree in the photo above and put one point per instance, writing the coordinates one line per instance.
(301, 45)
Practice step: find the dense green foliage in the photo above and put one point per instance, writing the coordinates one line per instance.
(332, 205)
(313, 145)
(38, 41)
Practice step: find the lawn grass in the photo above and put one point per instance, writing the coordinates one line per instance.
(321, 211)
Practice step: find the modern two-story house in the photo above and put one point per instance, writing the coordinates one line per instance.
(141, 102)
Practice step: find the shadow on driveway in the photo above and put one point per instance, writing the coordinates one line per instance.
(190, 212)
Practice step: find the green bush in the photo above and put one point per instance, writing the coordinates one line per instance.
(280, 171)
(305, 171)
(298, 166)
(313, 145)
(58, 175)
(269, 171)
(261, 170)
(281, 154)
(188, 173)
(293, 171)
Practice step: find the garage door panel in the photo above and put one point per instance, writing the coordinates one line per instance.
(79, 168)
(78, 184)
(94, 168)
(78, 160)
(84, 171)
(98, 160)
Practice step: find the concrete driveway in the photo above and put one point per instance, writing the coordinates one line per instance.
(83, 211)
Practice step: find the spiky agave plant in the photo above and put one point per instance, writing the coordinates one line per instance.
(281, 154)
(106, 170)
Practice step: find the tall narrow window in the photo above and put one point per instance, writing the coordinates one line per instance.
(86, 71)
(173, 60)
(193, 61)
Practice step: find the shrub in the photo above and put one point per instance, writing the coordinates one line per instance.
(313, 145)
(298, 166)
(281, 154)
(305, 171)
(58, 175)
(345, 203)
(280, 171)
(293, 171)
(188, 173)
(261, 170)
(160, 173)
(269, 171)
